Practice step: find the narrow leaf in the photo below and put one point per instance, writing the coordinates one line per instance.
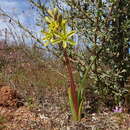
(80, 109)
(71, 105)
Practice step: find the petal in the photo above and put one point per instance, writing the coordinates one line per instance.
(45, 33)
(59, 18)
(46, 44)
(50, 12)
(55, 10)
(71, 42)
(71, 33)
(56, 41)
(45, 38)
(48, 19)
(64, 45)
(64, 22)
(59, 35)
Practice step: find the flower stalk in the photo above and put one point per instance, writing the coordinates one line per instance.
(58, 34)
(72, 86)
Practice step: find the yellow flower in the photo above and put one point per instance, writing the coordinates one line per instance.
(64, 38)
(48, 38)
(57, 30)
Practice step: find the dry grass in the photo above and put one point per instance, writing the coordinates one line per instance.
(44, 95)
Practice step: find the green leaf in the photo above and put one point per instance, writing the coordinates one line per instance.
(86, 76)
(80, 109)
(74, 115)
(80, 94)
(112, 1)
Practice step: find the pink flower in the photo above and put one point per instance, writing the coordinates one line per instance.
(117, 109)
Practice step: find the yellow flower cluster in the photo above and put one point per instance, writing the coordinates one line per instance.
(57, 30)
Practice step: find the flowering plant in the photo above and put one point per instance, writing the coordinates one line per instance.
(117, 109)
(57, 33)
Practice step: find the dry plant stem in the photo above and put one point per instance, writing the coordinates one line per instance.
(72, 84)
